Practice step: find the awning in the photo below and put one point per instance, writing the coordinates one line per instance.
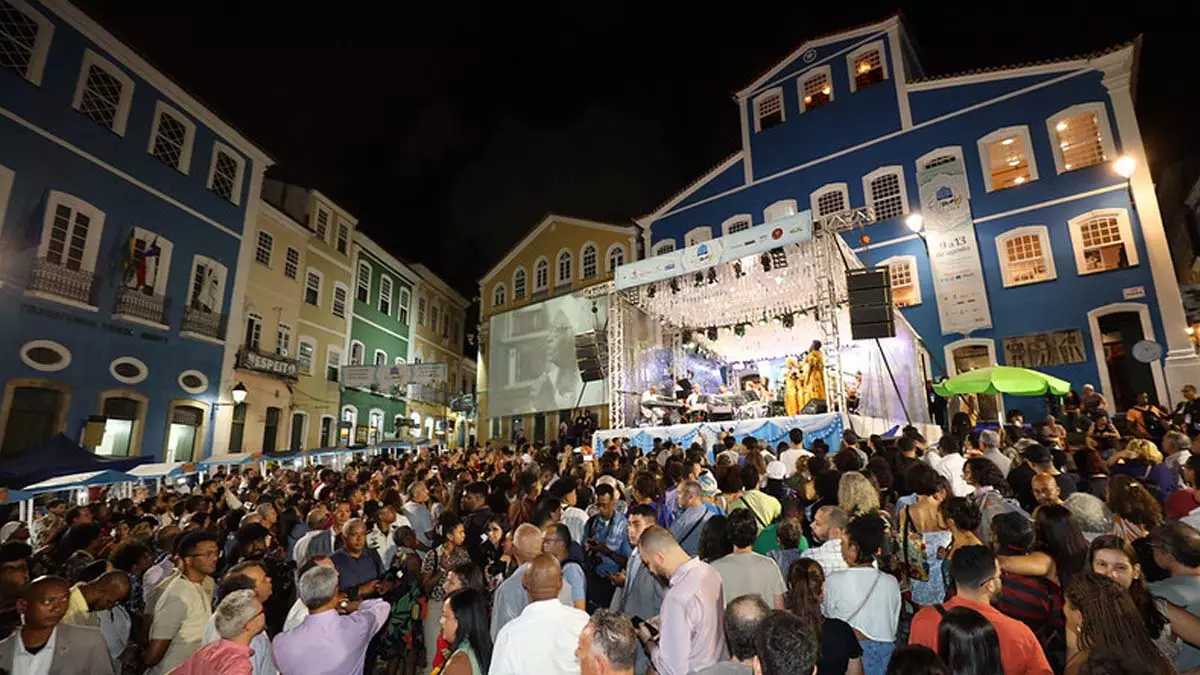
(163, 470)
(80, 480)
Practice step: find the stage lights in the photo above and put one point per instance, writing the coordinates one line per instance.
(765, 259)
(712, 275)
(650, 291)
(738, 272)
(778, 258)
(789, 320)
(712, 334)
(763, 320)
(698, 279)
(675, 286)
(686, 338)
(740, 330)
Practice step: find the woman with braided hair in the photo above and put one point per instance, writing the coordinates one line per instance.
(1135, 509)
(1106, 633)
(840, 650)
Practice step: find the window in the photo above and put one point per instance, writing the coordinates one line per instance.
(121, 414)
(340, 294)
(738, 223)
(362, 290)
(253, 331)
(35, 413)
(262, 253)
(421, 304)
(867, 66)
(291, 263)
(1007, 158)
(1025, 256)
(171, 141)
(768, 109)
(207, 292)
(830, 199)
(283, 339)
(321, 224)
(1080, 137)
(780, 209)
(697, 235)
(147, 273)
(333, 363)
(24, 39)
(103, 93)
(225, 174)
(385, 295)
(357, 352)
(519, 284)
(312, 288)
(663, 247)
(343, 238)
(326, 439)
(885, 192)
(434, 315)
(405, 301)
(1103, 241)
(616, 257)
(541, 274)
(564, 268)
(906, 285)
(304, 354)
(70, 233)
(380, 357)
(588, 264)
(498, 297)
(816, 88)
(941, 157)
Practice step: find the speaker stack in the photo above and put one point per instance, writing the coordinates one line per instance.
(591, 355)
(870, 295)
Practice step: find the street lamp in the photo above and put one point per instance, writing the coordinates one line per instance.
(1125, 165)
(916, 222)
(239, 393)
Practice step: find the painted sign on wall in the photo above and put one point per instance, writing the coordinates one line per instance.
(1055, 348)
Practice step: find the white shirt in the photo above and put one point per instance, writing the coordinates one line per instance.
(789, 457)
(383, 543)
(829, 555)
(39, 663)
(261, 661)
(847, 590)
(1175, 463)
(115, 624)
(541, 640)
(296, 615)
(575, 519)
(951, 468)
(154, 575)
(1192, 519)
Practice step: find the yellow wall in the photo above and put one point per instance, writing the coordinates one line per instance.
(439, 344)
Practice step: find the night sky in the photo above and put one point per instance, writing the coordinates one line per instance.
(451, 128)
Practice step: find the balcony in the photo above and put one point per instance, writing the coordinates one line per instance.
(135, 304)
(249, 358)
(55, 281)
(427, 394)
(202, 325)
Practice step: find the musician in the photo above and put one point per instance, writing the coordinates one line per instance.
(793, 383)
(814, 375)
(649, 413)
(693, 398)
(683, 386)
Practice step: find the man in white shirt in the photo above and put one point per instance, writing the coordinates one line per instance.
(789, 456)
(573, 517)
(1177, 447)
(43, 646)
(318, 540)
(828, 526)
(653, 415)
(949, 462)
(416, 509)
(543, 638)
(510, 597)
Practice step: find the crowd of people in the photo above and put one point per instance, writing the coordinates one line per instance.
(1069, 546)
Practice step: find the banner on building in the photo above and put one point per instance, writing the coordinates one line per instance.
(384, 377)
(1039, 350)
(751, 242)
(954, 254)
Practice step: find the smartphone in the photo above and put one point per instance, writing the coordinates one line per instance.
(637, 622)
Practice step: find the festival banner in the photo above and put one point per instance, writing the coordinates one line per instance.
(954, 254)
(387, 376)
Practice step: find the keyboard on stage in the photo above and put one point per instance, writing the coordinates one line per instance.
(662, 403)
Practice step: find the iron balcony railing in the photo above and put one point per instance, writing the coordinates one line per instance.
(428, 394)
(55, 278)
(202, 322)
(135, 302)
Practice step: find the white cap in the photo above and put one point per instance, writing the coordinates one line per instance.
(776, 470)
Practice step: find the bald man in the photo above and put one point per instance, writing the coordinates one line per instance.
(543, 638)
(96, 596)
(1045, 490)
(44, 644)
(511, 597)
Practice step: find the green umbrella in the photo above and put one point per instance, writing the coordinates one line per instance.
(1002, 380)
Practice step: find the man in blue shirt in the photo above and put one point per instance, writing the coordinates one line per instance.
(606, 543)
(557, 543)
(359, 568)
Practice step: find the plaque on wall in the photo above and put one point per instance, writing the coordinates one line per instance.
(1040, 350)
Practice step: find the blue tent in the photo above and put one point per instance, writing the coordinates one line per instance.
(81, 480)
(56, 457)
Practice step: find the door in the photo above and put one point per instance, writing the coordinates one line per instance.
(1127, 376)
(968, 358)
(32, 419)
(270, 430)
(326, 432)
(238, 428)
(297, 432)
(120, 415)
(181, 437)
(539, 428)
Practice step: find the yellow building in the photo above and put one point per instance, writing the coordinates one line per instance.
(438, 336)
(531, 296)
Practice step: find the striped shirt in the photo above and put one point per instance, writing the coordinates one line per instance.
(1035, 601)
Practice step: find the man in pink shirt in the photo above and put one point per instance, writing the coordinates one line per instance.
(329, 642)
(238, 619)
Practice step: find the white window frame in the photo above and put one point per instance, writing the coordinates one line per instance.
(41, 44)
(303, 429)
(189, 139)
(91, 58)
(330, 352)
(523, 287)
(222, 274)
(774, 91)
(559, 278)
(288, 264)
(499, 295)
(349, 413)
(540, 264)
(583, 251)
(911, 261)
(323, 236)
(342, 234)
(311, 342)
(783, 208)
(1020, 131)
(283, 333)
(697, 235)
(163, 269)
(608, 257)
(385, 296)
(810, 74)
(877, 45)
(1123, 225)
(824, 190)
(376, 361)
(663, 246)
(91, 248)
(259, 247)
(1042, 233)
(333, 300)
(358, 281)
(405, 303)
(1106, 136)
(951, 150)
(221, 148)
(733, 220)
(254, 319)
(895, 170)
(422, 310)
(320, 285)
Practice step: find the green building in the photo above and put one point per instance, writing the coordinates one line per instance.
(379, 334)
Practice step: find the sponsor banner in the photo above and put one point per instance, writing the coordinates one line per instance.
(954, 254)
(751, 242)
(388, 376)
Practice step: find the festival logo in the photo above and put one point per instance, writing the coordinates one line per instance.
(704, 253)
(945, 200)
(777, 233)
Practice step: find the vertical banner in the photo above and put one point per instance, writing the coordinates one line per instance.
(954, 254)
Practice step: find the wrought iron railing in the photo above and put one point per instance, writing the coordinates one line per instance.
(137, 303)
(57, 279)
(428, 394)
(202, 322)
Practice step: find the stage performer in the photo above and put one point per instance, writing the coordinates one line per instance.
(793, 386)
(814, 377)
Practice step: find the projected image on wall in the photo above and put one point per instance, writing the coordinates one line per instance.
(532, 363)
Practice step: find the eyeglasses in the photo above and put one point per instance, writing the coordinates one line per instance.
(214, 554)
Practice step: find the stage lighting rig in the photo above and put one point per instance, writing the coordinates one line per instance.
(712, 275)
(675, 286)
(650, 291)
(712, 334)
(740, 330)
(765, 259)
(698, 279)
(778, 258)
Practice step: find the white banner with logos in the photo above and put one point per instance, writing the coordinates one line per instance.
(954, 254)
(388, 376)
(779, 232)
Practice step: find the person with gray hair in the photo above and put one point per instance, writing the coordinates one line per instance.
(334, 637)
(607, 645)
(238, 618)
(268, 514)
(416, 509)
(1177, 447)
(1091, 514)
(318, 540)
(989, 443)
(692, 516)
(743, 616)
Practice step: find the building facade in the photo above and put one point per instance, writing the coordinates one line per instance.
(438, 335)
(524, 309)
(124, 204)
(1066, 251)
(379, 335)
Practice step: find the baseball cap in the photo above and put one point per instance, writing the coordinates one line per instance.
(776, 470)
(1037, 454)
(251, 532)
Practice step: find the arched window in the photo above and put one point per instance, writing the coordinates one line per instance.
(738, 223)
(768, 109)
(380, 357)
(906, 285)
(1025, 256)
(830, 199)
(664, 246)
(867, 66)
(1080, 137)
(362, 290)
(1007, 156)
(564, 268)
(541, 275)
(940, 157)
(1103, 241)
(616, 256)
(885, 192)
(519, 284)
(697, 235)
(498, 296)
(588, 263)
(357, 350)
(780, 209)
(816, 88)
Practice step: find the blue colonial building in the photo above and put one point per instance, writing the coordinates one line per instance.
(122, 206)
(1045, 254)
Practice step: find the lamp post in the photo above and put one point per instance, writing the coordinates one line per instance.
(237, 393)
(916, 223)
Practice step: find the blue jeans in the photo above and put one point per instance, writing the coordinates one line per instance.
(876, 656)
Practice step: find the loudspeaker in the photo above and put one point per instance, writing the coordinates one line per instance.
(870, 297)
(815, 407)
(591, 355)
